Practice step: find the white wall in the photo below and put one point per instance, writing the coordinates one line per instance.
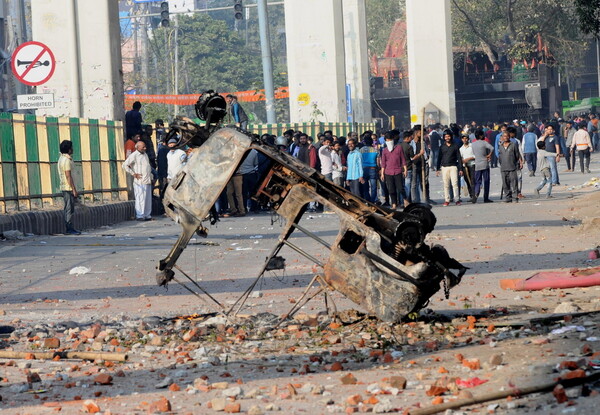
(315, 53)
(87, 81)
(429, 47)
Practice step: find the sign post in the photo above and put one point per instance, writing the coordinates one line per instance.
(33, 63)
(35, 101)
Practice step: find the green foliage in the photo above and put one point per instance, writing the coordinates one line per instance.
(511, 28)
(215, 52)
(588, 14)
(153, 111)
(381, 16)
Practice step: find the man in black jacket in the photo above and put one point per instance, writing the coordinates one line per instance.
(448, 161)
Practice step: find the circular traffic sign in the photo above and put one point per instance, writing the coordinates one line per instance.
(33, 63)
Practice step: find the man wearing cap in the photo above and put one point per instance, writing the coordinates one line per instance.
(176, 159)
(138, 165)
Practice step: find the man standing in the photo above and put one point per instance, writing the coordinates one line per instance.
(133, 120)
(337, 166)
(325, 158)
(176, 159)
(568, 134)
(448, 162)
(552, 146)
(529, 149)
(482, 151)
(409, 155)
(468, 163)
(369, 161)
(393, 171)
(304, 152)
(416, 184)
(67, 184)
(510, 161)
(236, 112)
(435, 140)
(354, 174)
(138, 165)
(583, 145)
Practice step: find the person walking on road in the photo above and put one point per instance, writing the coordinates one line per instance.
(67, 184)
(138, 166)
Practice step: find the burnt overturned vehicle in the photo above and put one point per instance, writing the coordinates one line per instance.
(379, 259)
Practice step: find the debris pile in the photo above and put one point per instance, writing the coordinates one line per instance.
(354, 364)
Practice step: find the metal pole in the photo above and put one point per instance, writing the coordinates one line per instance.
(144, 58)
(267, 61)
(76, 64)
(176, 68)
(598, 63)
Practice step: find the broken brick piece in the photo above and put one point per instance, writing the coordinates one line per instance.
(103, 379)
(162, 405)
(560, 394)
(398, 382)
(353, 399)
(33, 378)
(472, 364)
(568, 364)
(173, 387)
(336, 366)
(348, 379)
(579, 373)
(438, 400)
(51, 343)
(90, 407)
(436, 391)
(233, 408)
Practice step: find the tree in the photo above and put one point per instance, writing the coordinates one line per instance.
(513, 27)
(381, 16)
(588, 14)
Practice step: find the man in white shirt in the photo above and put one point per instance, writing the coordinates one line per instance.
(468, 162)
(138, 165)
(325, 158)
(176, 159)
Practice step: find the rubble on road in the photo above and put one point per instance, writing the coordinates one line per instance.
(252, 365)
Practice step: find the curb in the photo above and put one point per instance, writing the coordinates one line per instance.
(52, 221)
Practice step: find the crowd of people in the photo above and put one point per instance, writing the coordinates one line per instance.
(390, 168)
(393, 168)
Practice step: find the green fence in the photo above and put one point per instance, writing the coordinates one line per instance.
(312, 129)
(29, 151)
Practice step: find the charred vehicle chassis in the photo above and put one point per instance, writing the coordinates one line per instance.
(379, 259)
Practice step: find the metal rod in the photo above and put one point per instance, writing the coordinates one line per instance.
(199, 287)
(312, 235)
(304, 253)
(242, 299)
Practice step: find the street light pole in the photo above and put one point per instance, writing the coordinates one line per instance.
(267, 61)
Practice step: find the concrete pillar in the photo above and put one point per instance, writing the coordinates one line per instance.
(357, 59)
(85, 39)
(430, 63)
(316, 65)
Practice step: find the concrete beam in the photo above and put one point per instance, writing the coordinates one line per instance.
(430, 63)
(316, 62)
(357, 59)
(85, 39)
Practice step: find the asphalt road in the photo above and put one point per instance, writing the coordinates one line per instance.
(497, 240)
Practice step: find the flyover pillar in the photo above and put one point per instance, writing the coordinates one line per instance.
(430, 63)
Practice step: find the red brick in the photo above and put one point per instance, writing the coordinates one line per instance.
(51, 343)
(90, 407)
(103, 379)
(162, 405)
(233, 408)
(348, 379)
